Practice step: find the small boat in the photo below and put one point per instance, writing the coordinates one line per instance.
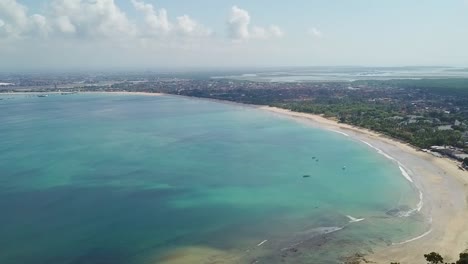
(43, 95)
(306, 176)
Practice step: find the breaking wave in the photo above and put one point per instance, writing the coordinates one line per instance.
(414, 238)
(354, 220)
(404, 172)
(339, 132)
(407, 176)
(378, 150)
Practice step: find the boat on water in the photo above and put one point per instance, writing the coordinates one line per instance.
(43, 95)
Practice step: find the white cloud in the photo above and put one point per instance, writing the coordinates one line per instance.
(14, 17)
(156, 20)
(239, 27)
(238, 23)
(276, 31)
(98, 18)
(40, 25)
(94, 19)
(315, 32)
(64, 25)
(15, 22)
(13, 12)
(190, 27)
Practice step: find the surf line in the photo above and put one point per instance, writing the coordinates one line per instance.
(378, 150)
(339, 132)
(261, 243)
(355, 220)
(404, 172)
(413, 239)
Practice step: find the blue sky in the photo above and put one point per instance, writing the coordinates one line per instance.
(223, 33)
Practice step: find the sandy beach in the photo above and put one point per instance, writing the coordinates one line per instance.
(443, 185)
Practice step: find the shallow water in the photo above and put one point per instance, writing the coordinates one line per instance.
(142, 179)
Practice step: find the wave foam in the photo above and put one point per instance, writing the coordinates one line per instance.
(414, 238)
(339, 132)
(378, 150)
(405, 174)
(354, 220)
(418, 208)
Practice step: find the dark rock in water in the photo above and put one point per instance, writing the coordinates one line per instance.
(313, 157)
(316, 160)
(306, 176)
(398, 211)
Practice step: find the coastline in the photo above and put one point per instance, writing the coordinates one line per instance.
(444, 186)
(84, 92)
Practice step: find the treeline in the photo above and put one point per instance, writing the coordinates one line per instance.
(383, 118)
(454, 86)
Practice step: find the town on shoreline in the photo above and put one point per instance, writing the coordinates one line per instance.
(429, 114)
(406, 119)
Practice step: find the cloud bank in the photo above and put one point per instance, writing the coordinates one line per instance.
(105, 19)
(239, 27)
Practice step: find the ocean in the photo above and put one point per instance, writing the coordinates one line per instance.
(102, 178)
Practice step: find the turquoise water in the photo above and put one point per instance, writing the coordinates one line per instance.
(143, 179)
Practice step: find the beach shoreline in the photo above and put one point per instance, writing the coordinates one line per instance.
(84, 92)
(444, 185)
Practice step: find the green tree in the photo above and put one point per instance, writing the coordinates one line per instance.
(465, 161)
(434, 258)
(463, 256)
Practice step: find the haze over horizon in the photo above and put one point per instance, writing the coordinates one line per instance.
(159, 34)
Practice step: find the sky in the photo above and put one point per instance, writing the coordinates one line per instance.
(203, 34)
